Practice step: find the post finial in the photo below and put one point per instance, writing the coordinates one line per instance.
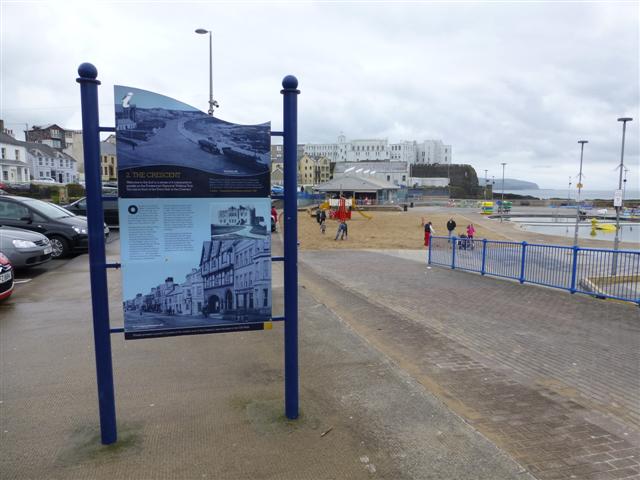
(290, 82)
(88, 70)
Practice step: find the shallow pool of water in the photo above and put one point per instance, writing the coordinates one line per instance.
(629, 232)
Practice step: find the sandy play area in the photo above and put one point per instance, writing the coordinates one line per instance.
(399, 230)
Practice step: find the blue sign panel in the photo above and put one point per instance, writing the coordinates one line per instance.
(194, 219)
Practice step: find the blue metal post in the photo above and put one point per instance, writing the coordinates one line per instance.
(484, 256)
(97, 260)
(290, 134)
(574, 269)
(453, 253)
(522, 261)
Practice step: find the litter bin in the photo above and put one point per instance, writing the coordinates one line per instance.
(404, 207)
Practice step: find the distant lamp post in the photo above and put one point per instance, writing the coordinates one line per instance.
(502, 200)
(486, 182)
(616, 241)
(212, 103)
(579, 185)
(569, 192)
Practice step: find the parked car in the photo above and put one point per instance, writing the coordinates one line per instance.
(44, 180)
(66, 231)
(24, 248)
(109, 208)
(6, 277)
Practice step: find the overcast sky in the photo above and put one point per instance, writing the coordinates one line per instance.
(501, 82)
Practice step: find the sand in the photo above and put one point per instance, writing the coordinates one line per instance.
(394, 230)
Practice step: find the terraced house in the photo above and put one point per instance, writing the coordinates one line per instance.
(47, 162)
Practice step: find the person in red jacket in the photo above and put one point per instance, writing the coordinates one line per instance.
(428, 231)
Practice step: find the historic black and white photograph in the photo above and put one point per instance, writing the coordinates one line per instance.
(230, 284)
(243, 219)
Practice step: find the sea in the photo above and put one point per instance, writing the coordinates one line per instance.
(543, 193)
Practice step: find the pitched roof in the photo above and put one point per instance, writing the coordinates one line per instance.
(377, 166)
(107, 148)
(355, 184)
(6, 138)
(47, 150)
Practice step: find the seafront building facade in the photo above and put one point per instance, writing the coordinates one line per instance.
(380, 150)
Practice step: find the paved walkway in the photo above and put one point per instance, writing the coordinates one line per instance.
(552, 378)
(211, 406)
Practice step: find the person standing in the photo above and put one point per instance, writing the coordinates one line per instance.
(428, 231)
(451, 226)
(342, 230)
(471, 231)
(323, 221)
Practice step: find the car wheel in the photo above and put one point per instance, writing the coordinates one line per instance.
(60, 246)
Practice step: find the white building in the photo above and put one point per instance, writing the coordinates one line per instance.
(395, 173)
(74, 147)
(433, 151)
(368, 150)
(47, 162)
(14, 167)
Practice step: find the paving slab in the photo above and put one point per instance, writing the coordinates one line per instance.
(551, 378)
(211, 406)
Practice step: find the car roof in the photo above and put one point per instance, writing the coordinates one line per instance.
(20, 233)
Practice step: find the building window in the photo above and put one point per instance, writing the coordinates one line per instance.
(40, 161)
(4, 152)
(41, 174)
(388, 178)
(17, 154)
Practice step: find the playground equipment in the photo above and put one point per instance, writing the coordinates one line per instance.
(607, 227)
(504, 206)
(486, 208)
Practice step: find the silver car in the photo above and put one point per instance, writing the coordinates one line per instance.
(23, 247)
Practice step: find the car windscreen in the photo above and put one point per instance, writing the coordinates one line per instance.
(49, 210)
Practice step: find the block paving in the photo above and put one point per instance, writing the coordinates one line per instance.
(487, 348)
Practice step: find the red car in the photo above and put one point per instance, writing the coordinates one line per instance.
(6, 277)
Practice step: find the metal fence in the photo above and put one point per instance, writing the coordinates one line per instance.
(594, 271)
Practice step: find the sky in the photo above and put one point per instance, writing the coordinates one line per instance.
(515, 82)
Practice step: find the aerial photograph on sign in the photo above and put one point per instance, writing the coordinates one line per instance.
(170, 149)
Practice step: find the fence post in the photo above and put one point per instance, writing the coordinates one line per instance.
(484, 256)
(453, 254)
(522, 261)
(429, 251)
(97, 260)
(574, 269)
(290, 134)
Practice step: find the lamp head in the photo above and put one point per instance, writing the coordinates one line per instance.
(625, 119)
(201, 31)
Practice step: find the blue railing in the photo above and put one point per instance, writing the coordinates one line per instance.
(593, 271)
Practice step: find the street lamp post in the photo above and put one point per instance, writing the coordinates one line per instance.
(616, 241)
(575, 233)
(212, 103)
(502, 200)
(486, 181)
(569, 192)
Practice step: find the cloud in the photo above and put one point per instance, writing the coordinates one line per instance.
(512, 82)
